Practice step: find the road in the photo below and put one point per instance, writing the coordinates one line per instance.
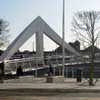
(64, 96)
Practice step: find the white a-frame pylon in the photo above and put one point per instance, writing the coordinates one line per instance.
(39, 27)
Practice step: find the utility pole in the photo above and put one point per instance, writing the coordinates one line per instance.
(63, 36)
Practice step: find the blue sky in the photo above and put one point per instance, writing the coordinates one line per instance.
(19, 13)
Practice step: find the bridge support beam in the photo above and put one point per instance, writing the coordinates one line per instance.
(39, 46)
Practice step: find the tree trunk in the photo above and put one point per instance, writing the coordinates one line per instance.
(91, 74)
(92, 66)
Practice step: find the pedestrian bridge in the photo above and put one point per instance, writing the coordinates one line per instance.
(38, 27)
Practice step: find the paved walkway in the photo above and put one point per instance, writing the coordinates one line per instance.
(46, 86)
(69, 85)
(69, 90)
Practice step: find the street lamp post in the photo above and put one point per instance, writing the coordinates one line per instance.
(63, 36)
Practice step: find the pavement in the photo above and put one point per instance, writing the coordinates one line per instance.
(39, 85)
(40, 90)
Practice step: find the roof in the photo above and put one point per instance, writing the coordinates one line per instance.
(88, 49)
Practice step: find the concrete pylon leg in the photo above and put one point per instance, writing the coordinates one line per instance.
(39, 46)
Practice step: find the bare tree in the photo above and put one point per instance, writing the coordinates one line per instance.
(3, 33)
(86, 26)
